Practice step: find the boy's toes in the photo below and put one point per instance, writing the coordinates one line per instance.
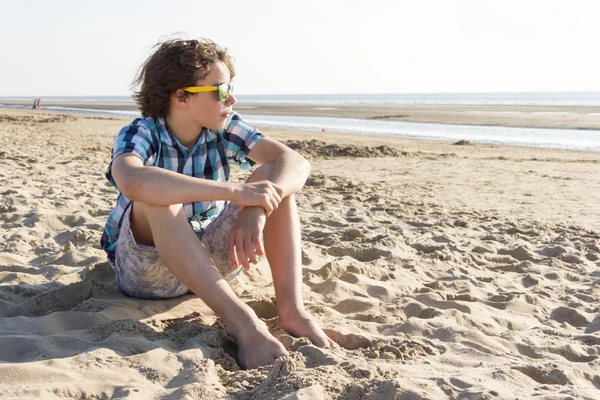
(306, 326)
(326, 342)
(321, 340)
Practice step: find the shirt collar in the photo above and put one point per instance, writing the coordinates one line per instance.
(207, 135)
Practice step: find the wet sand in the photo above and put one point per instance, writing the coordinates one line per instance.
(556, 117)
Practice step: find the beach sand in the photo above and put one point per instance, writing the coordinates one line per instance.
(442, 271)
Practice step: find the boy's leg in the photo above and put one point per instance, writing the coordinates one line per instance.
(283, 248)
(167, 229)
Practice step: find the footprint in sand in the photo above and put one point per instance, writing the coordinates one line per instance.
(427, 247)
(360, 254)
(544, 374)
(571, 316)
(394, 349)
(61, 299)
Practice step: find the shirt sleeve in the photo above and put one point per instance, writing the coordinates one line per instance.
(240, 138)
(135, 138)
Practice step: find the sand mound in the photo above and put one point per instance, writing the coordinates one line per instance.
(36, 119)
(318, 149)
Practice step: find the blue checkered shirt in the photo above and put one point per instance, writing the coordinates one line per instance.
(151, 141)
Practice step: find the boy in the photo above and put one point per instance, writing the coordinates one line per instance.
(178, 224)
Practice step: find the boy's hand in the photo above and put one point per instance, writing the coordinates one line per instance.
(263, 194)
(245, 237)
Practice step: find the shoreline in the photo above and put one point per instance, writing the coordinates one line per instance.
(371, 139)
(518, 116)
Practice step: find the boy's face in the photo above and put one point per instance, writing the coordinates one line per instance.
(205, 108)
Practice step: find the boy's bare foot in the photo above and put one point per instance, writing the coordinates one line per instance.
(256, 346)
(302, 324)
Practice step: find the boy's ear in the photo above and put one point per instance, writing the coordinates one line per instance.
(179, 96)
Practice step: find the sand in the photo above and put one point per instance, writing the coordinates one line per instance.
(442, 271)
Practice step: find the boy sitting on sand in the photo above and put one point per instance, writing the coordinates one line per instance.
(179, 224)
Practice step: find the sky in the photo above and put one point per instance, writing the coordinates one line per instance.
(79, 48)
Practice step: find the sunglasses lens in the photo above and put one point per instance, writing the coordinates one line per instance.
(224, 90)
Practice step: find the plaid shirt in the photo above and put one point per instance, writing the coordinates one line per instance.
(151, 141)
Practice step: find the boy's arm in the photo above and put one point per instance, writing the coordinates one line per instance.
(290, 169)
(161, 187)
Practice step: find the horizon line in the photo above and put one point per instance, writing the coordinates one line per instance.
(333, 94)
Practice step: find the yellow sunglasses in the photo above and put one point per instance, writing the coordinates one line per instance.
(223, 90)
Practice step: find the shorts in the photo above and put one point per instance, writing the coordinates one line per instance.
(140, 271)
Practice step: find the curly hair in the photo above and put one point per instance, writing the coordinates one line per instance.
(173, 65)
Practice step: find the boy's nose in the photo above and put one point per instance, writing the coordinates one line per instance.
(230, 100)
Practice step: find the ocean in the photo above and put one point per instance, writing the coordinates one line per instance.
(551, 138)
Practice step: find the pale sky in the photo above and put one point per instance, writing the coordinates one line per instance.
(70, 48)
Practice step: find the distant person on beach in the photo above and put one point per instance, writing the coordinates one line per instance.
(179, 225)
(38, 103)
(35, 104)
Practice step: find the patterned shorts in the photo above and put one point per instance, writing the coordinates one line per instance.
(140, 271)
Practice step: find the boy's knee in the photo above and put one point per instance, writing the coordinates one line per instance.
(149, 209)
(261, 173)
